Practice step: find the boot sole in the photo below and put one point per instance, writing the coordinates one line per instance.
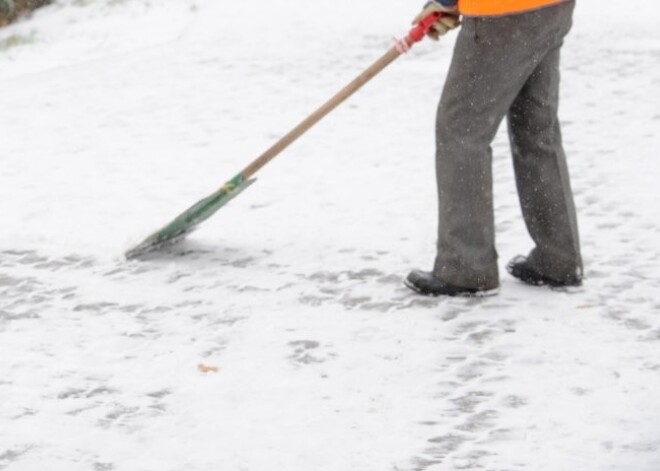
(534, 279)
(456, 294)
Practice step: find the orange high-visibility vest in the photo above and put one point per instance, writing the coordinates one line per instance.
(501, 7)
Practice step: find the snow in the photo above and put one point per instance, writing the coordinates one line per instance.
(118, 115)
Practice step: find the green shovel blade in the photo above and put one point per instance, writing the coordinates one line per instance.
(188, 221)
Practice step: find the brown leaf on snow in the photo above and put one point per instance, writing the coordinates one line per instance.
(207, 368)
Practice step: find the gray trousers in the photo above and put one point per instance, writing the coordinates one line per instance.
(504, 66)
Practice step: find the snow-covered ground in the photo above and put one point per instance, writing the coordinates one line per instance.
(115, 116)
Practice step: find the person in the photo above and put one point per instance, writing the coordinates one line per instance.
(505, 63)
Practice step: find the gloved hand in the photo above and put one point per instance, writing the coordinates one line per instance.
(448, 21)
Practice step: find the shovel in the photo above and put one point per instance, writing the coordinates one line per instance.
(190, 219)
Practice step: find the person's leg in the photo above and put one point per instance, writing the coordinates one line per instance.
(487, 71)
(542, 174)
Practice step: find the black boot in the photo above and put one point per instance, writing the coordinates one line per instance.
(520, 268)
(429, 285)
